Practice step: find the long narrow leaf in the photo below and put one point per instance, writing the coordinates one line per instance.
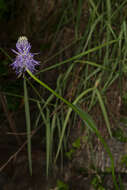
(27, 112)
(103, 111)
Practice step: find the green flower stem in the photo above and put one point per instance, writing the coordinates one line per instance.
(86, 118)
(53, 92)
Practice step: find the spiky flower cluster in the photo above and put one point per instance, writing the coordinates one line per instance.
(24, 58)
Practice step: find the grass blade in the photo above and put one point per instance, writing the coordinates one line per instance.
(28, 126)
(103, 111)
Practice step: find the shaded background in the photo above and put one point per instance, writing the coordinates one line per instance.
(50, 26)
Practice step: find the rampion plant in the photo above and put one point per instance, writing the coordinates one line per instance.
(23, 63)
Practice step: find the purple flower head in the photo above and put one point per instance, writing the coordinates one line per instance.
(24, 58)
